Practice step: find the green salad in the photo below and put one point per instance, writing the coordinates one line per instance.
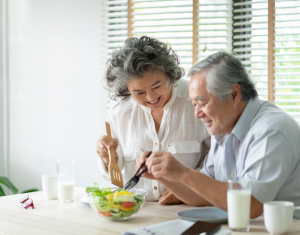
(114, 203)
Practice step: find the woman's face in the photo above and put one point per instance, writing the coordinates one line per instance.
(153, 90)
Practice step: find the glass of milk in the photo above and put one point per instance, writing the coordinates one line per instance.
(66, 180)
(238, 204)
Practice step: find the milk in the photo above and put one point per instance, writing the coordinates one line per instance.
(238, 205)
(65, 191)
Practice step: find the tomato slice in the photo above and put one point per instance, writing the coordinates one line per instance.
(106, 214)
(127, 204)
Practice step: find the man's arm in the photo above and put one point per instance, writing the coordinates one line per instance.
(191, 186)
(209, 191)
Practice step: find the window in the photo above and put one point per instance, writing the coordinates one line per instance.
(170, 21)
(117, 27)
(265, 35)
(250, 40)
(287, 56)
(214, 26)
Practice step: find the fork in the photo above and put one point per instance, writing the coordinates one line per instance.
(135, 179)
(116, 177)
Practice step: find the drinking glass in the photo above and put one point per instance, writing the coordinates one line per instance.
(66, 180)
(238, 204)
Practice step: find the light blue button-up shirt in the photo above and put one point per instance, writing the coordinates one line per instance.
(263, 146)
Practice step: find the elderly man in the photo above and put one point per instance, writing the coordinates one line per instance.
(250, 139)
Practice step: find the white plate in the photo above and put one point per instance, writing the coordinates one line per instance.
(85, 201)
(211, 214)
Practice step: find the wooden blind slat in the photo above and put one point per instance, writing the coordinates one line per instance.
(271, 51)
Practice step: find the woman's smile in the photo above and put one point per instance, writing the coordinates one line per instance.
(154, 103)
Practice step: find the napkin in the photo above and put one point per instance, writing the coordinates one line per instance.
(174, 227)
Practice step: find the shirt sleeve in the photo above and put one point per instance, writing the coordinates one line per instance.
(269, 162)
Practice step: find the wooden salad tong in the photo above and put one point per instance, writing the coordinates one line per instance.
(116, 177)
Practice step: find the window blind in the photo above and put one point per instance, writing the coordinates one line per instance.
(168, 20)
(116, 23)
(250, 40)
(287, 56)
(214, 27)
(240, 26)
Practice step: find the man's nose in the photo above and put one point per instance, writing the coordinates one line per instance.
(198, 112)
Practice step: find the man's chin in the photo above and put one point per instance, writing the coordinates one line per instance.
(211, 131)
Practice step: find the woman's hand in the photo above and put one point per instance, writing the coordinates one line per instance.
(103, 146)
(169, 198)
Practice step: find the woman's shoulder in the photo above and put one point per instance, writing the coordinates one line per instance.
(117, 106)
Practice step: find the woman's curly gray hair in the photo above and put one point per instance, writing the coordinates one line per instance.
(138, 57)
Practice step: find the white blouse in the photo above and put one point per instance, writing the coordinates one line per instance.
(180, 133)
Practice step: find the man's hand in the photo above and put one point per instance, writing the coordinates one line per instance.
(162, 165)
(169, 198)
(139, 161)
(103, 146)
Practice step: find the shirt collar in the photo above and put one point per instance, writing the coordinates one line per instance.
(168, 105)
(221, 139)
(242, 126)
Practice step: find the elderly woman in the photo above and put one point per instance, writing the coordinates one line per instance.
(152, 112)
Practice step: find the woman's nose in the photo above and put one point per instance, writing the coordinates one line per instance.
(151, 96)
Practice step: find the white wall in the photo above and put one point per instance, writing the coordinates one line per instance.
(56, 101)
(2, 95)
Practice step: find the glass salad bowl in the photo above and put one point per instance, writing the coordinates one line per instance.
(116, 203)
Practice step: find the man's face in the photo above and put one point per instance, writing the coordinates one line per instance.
(215, 114)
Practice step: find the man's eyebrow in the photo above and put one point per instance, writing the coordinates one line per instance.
(151, 86)
(198, 98)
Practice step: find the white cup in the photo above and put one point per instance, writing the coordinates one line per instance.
(278, 216)
(49, 183)
(238, 204)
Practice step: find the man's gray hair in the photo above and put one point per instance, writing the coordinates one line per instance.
(136, 58)
(222, 70)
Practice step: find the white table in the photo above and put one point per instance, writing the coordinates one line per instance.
(51, 217)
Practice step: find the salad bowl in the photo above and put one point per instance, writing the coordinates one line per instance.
(116, 204)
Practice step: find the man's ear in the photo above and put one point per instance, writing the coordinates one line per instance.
(236, 93)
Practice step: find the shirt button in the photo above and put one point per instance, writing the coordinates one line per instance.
(156, 143)
(155, 188)
(232, 174)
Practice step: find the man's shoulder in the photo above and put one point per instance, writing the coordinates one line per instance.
(271, 118)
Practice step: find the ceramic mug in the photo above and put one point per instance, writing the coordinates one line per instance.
(49, 183)
(278, 216)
